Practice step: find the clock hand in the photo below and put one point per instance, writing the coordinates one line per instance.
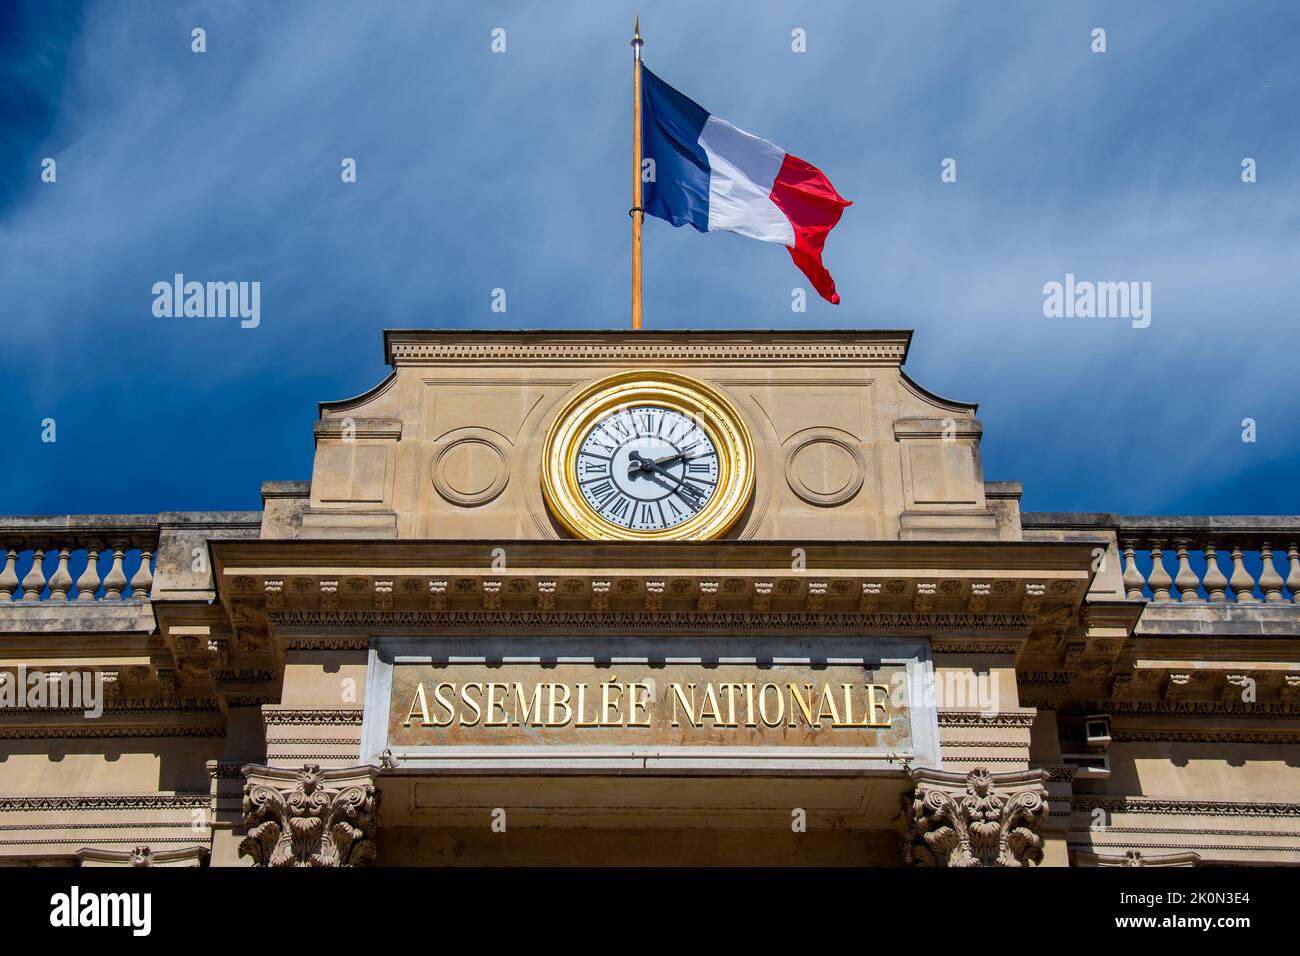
(648, 466)
(642, 464)
(689, 495)
(680, 456)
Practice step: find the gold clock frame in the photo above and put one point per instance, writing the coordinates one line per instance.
(712, 411)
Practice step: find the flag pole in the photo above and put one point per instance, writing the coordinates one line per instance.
(637, 213)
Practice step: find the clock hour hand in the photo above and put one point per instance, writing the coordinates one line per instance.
(648, 466)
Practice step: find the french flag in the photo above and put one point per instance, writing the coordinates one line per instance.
(719, 178)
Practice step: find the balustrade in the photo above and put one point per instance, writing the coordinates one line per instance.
(1199, 574)
(1212, 559)
(39, 557)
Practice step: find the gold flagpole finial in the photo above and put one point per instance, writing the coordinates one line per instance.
(636, 31)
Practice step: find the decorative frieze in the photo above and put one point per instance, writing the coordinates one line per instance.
(1173, 805)
(875, 348)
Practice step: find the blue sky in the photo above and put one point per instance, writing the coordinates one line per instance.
(479, 170)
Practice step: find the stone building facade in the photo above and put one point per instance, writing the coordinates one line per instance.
(433, 652)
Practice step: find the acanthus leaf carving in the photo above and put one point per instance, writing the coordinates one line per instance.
(309, 817)
(977, 819)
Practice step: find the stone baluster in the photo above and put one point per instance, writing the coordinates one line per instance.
(88, 583)
(9, 580)
(1292, 579)
(1242, 584)
(1216, 585)
(1133, 581)
(61, 580)
(34, 580)
(115, 580)
(1159, 580)
(142, 580)
(1270, 582)
(1186, 582)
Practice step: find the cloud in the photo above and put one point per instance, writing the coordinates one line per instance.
(479, 171)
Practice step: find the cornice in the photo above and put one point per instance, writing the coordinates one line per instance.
(403, 347)
(965, 590)
(716, 559)
(456, 622)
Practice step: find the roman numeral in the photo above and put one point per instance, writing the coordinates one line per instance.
(603, 491)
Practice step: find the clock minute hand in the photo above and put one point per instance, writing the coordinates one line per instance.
(639, 463)
(680, 456)
(648, 465)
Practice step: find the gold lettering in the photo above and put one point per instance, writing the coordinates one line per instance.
(796, 700)
(709, 695)
(494, 705)
(689, 708)
(779, 719)
(423, 703)
(730, 690)
(749, 706)
(582, 706)
(848, 707)
(478, 711)
(533, 710)
(873, 704)
(634, 703)
(439, 698)
(828, 698)
(605, 703)
(563, 702)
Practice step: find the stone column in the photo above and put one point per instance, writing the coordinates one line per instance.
(974, 819)
(309, 817)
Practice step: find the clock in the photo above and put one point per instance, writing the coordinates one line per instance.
(647, 455)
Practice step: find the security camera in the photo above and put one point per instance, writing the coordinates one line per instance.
(1096, 730)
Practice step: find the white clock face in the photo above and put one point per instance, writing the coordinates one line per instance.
(647, 467)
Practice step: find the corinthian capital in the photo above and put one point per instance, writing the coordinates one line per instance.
(309, 817)
(974, 819)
